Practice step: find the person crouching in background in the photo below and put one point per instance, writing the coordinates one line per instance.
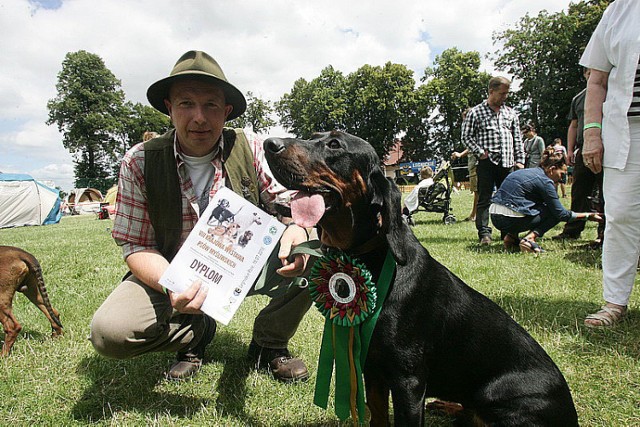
(527, 200)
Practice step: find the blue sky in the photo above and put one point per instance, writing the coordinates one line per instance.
(263, 47)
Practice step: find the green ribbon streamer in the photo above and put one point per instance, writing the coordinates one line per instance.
(339, 354)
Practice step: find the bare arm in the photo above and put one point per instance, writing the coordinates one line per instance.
(572, 134)
(457, 155)
(596, 94)
(149, 265)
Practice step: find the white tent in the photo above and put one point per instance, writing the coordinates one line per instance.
(84, 201)
(25, 201)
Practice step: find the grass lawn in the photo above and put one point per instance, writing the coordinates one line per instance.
(63, 382)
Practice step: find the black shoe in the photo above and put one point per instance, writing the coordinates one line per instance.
(279, 362)
(565, 236)
(188, 363)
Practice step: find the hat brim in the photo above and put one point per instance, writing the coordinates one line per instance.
(159, 91)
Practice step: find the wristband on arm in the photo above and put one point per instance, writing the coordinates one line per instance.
(592, 125)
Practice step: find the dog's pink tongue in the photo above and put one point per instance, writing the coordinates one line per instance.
(307, 209)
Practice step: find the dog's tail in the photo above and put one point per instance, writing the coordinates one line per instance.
(36, 270)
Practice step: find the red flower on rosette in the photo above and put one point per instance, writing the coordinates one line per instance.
(341, 288)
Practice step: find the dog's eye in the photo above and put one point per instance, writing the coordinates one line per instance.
(334, 144)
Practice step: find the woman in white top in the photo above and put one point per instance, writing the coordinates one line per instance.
(612, 144)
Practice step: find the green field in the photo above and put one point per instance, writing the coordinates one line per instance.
(63, 382)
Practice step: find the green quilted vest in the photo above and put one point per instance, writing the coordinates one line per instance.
(164, 199)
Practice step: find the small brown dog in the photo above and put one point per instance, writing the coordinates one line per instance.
(20, 271)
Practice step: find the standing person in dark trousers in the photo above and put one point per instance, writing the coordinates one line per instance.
(491, 131)
(584, 180)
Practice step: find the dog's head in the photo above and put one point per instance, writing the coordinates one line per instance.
(341, 187)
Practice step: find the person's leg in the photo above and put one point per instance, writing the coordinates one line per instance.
(511, 224)
(622, 234)
(486, 181)
(277, 323)
(583, 182)
(601, 206)
(473, 187)
(135, 320)
(542, 223)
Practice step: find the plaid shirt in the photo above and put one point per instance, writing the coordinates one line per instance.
(497, 133)
(132, 229)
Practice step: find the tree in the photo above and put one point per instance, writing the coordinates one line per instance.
(314, 106)
(543, 53)
(380, 99)
(88, 110)
(453, 84)
(372, 103)
(140, 119)
(257, 116)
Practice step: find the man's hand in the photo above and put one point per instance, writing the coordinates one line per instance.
(519, 166)
(292, 236)
(189, 301)
(570, 157)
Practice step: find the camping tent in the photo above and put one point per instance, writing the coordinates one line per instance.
(84, 201)
(111, 196)
(25, 201)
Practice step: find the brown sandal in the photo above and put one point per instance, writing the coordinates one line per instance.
(605, 318)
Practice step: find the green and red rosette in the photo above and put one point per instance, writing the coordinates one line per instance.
(342, 289)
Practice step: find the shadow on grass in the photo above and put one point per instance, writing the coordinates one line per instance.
(130, 385)
(567, 317)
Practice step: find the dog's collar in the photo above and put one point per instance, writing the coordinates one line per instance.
(369, 246)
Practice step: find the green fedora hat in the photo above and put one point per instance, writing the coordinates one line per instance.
(197, 65)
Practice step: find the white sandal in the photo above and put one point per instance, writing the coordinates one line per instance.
(606, 317)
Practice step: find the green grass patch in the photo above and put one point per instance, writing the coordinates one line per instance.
(64, 382)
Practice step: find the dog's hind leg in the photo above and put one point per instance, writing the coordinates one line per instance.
(37, 294)
(10, 325)
(377, 402)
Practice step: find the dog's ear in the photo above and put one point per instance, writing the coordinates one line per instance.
(388, 198)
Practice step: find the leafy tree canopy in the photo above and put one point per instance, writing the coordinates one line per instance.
(257, 116)
(453, 84)
(542, 52)
(373, 102)
(88, 112)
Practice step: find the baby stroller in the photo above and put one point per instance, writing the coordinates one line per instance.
(437, 197)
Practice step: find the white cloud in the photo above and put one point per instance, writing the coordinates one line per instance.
(263, 47)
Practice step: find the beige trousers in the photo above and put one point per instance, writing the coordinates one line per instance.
(135, 319)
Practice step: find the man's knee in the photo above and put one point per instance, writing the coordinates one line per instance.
(109, 337)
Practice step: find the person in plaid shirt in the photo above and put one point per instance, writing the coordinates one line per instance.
(140, 316)
(491, 131)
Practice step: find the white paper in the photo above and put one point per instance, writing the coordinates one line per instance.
(226, 250)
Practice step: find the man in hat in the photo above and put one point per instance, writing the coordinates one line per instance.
(164, 186)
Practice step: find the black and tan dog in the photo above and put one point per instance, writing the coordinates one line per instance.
(20, 271)
(436, 336)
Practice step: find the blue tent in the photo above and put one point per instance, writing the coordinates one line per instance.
(25, 201)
